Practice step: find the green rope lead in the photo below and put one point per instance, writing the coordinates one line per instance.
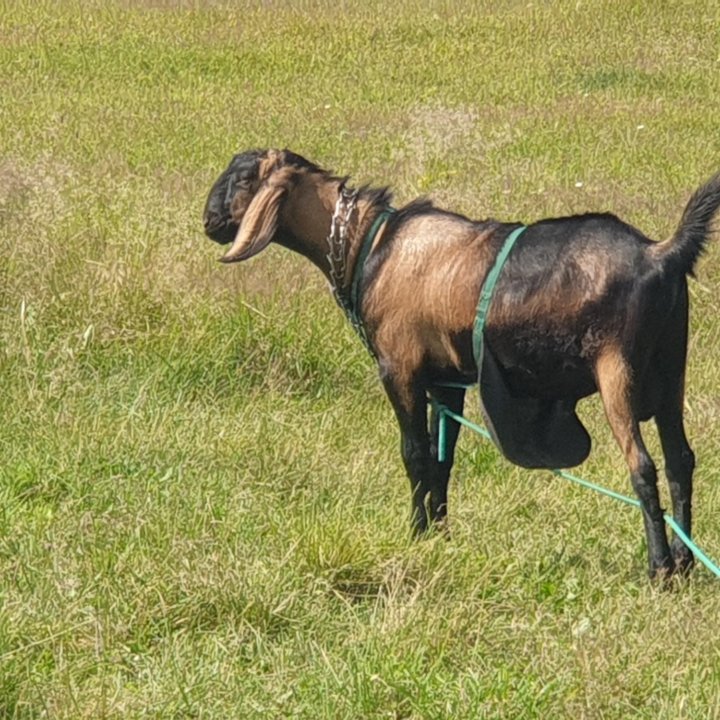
(442, 434)
(444, 412)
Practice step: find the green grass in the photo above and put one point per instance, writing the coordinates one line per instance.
(203, 512)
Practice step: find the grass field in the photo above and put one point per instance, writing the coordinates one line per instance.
(203, 511)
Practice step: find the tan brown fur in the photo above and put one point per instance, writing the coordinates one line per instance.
(443, 294)
(613, 377)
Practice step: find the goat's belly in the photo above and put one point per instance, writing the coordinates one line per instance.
(543, 364)
(561, 380)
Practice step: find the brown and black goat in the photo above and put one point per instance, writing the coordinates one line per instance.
(584, 304)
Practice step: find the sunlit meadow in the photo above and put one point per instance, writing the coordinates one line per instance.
(203, 511)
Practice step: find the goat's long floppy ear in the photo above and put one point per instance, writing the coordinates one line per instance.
(260, 222)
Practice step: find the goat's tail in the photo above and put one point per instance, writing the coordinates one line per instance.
(680, 253)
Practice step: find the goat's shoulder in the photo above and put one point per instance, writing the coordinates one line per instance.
(421, 226)
(425, 208)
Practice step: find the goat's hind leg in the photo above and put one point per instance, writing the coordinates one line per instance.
(613, 375)
(679, 466)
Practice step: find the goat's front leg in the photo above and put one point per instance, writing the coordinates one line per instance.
(453, 399)
(410, 404)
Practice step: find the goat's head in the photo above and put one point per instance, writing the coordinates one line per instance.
(244, 204)
(230, 196)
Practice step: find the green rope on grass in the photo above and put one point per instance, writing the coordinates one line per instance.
(444, 413)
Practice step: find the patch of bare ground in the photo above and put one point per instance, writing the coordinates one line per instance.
(14, 187)
(32, 201)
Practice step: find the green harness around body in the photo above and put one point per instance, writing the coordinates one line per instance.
(533, 432)
(488, 288)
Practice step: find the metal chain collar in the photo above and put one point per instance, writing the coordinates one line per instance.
(337, 240)
(346, 291)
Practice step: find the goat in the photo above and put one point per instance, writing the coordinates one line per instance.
(584, 304)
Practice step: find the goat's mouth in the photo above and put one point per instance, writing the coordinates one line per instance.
(221, 231)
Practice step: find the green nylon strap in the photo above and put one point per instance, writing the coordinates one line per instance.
(487, 291)
(360, 262)
(353, 311)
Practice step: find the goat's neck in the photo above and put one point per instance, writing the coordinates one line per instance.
(306, 220)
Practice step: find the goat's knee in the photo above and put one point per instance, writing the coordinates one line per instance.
(681, 467)
(644, 481)
(416, 457)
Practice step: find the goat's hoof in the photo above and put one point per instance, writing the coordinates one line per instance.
(441, 527)
(661, 573)
(684, 559)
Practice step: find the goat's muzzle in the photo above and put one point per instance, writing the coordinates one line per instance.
(220, 229)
